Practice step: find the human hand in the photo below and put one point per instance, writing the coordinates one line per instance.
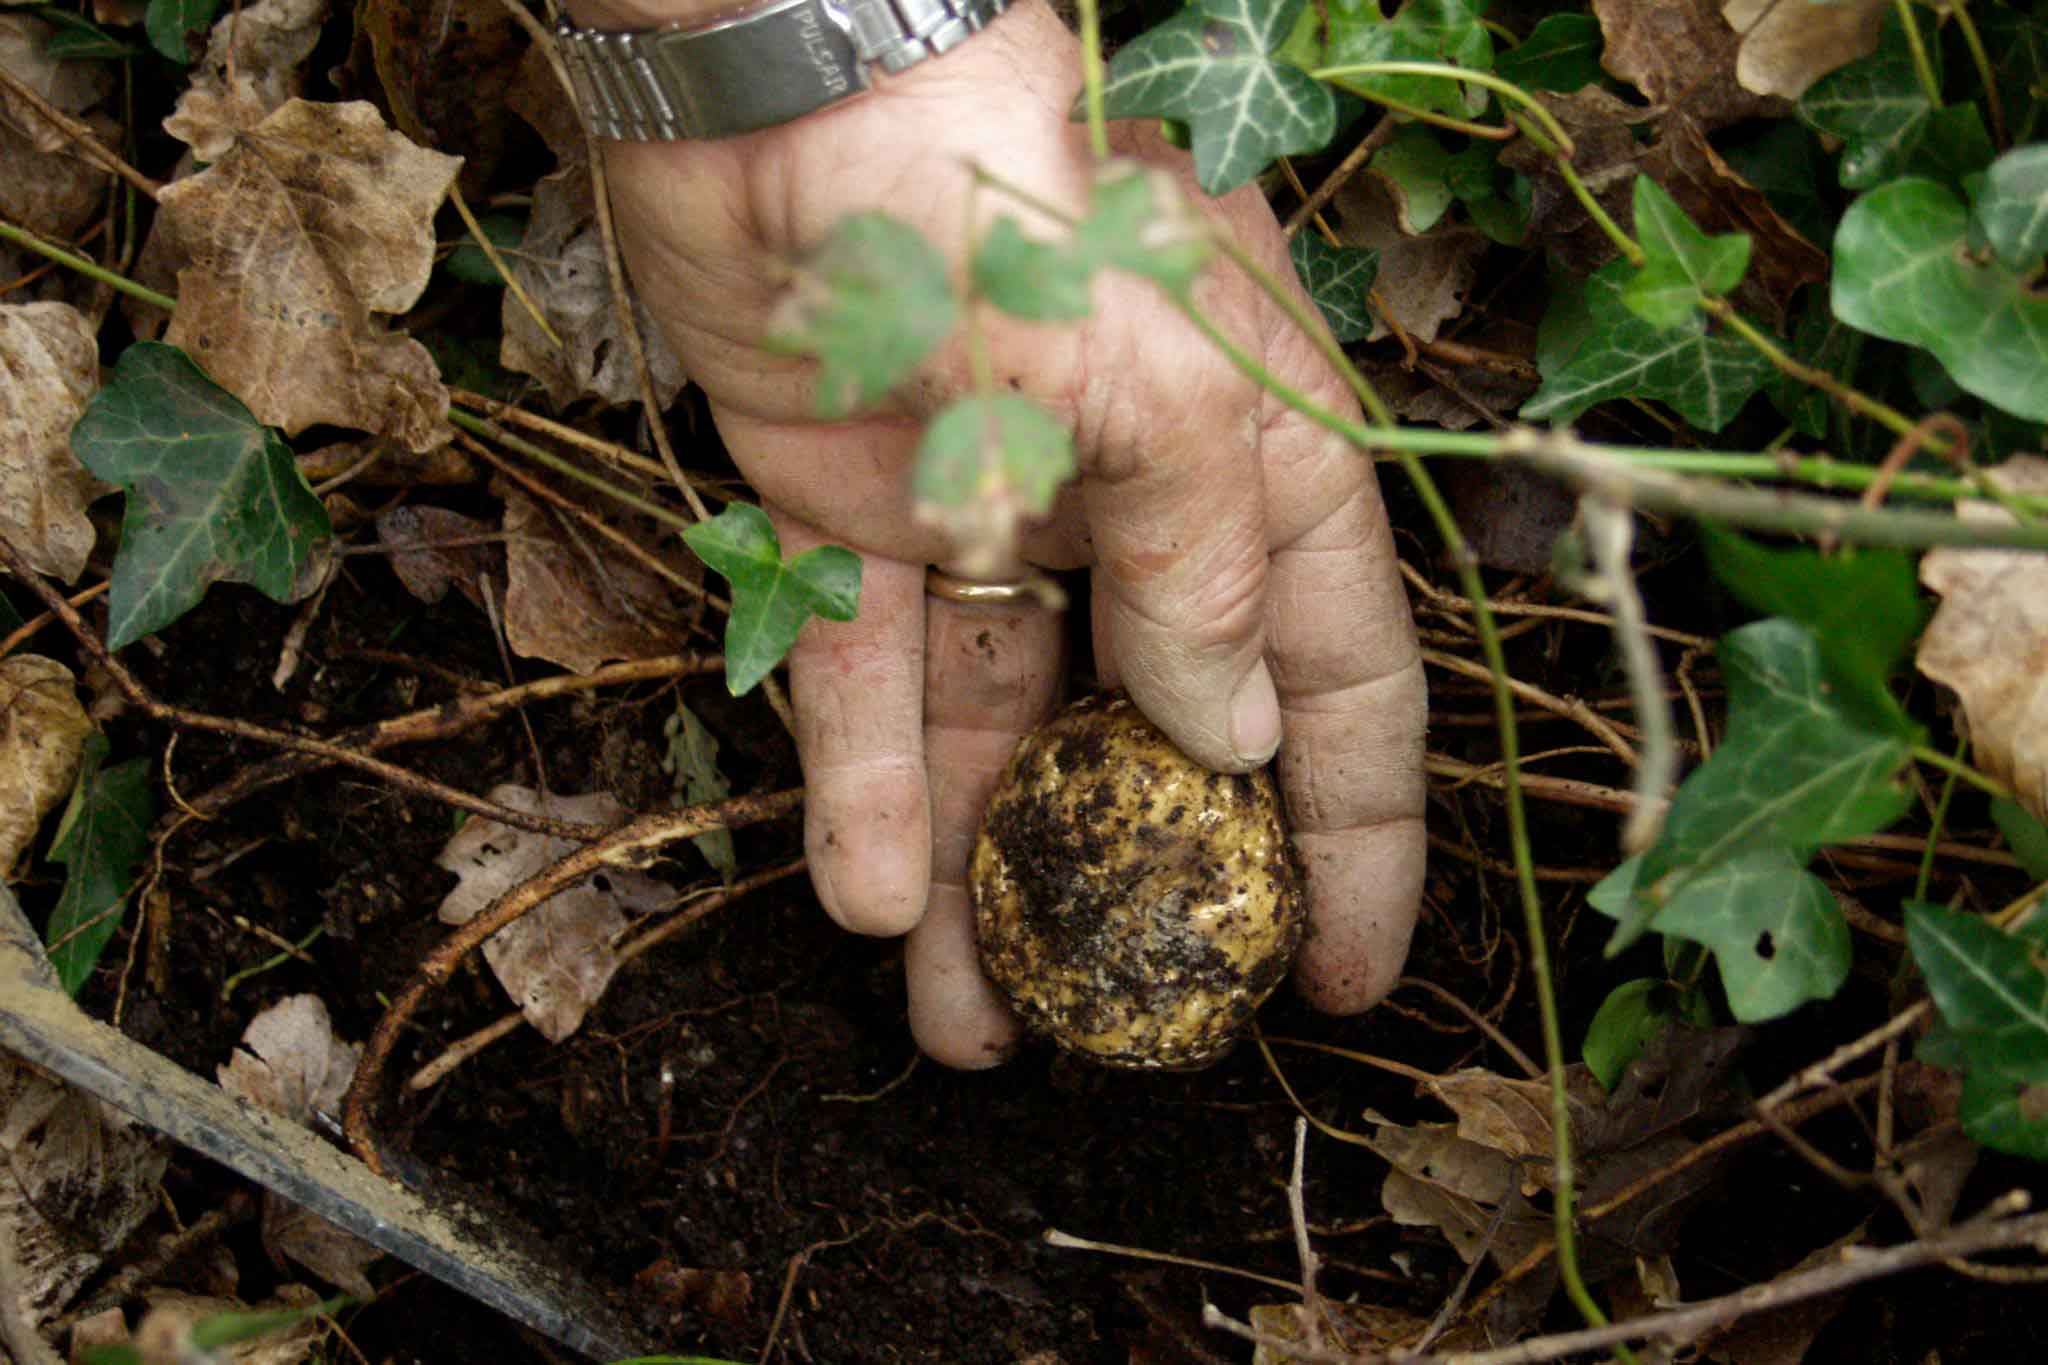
(1243, 584)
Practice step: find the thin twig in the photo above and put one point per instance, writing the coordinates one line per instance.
(628, 845)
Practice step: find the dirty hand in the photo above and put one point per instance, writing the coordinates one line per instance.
(1243, 584)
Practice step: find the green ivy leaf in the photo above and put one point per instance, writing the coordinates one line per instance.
(1775, 931)
(1447, 31)
(1212, 66)
(1560, 55)
(79, 39)
(103, 835)
(771, 597)
(1784, 160)
(1475, 177)
(1029, 279)
(1338, 278)
(985, 464)
(1682, 264)
(2024, 834)
(1138, 221)
(1862, 607)
(1903, 271)
(1877, 107)
(168, 21)
(212, 494)
(1417, 171)
(692, 761)
(1992, 991)
(1823, 341)
(1794, 772)
(2012, 205)
(1600, 349)
(1627, 1022)
(467, 261)
(869, 303)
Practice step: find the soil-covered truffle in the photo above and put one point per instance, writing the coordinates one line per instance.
(1134, 906)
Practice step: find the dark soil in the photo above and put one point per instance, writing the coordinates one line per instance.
(746, 1099)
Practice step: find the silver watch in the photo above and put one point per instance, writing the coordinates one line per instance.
(757, 68)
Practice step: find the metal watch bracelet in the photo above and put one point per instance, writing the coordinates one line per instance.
(758, 68)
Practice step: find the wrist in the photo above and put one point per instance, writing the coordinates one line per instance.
(641, 14)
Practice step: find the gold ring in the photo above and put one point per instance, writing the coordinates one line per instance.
(1032, 590)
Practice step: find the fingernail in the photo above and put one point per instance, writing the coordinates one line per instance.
(1255, 717)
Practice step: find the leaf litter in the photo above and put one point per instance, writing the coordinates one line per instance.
(1674, 55)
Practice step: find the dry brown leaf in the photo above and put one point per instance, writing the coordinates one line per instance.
(1422, 280)
(290, 1062)
(1681, 54)
(1512, 1117)
(1989, 642)
(164, 1336)
(1787, 45)
(252, 66)
(434, 549)
(314, 220)
(445, 67)
(557, 959)
(395, 467)
(72, 87)
(536, 95)
(77, 1177)
(49, 369)
(46, 185)
(42, 734)
(561, 265)
(575, 600)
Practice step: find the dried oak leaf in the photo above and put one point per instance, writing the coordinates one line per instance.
(560, 263)
(1681, 54)
(1787, 46)
(49, 369)
(42, 735)
(291, 1064)
(77, 1177)
(557, 959)
(1989, 642)
(252, 66)
(312, 221)
(575, 600)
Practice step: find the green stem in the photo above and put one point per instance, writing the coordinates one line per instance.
(1565, 1227)
(1092, 77)
(92, 270)
(1853, 399)
(1310, 323)
(1583, 192)
(1923, 65)
(2001, 136)
(1587, 467)
(1948, 791)
(1491, 132)
(1956, 768)
(1506, 89)
(568, 469)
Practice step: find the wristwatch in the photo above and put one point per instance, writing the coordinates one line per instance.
(754, 69)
